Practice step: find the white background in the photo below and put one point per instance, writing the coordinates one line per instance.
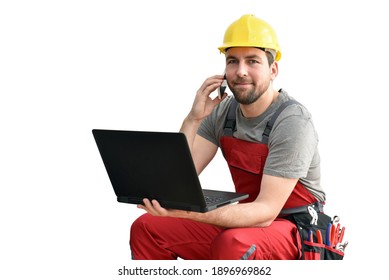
(67, 67)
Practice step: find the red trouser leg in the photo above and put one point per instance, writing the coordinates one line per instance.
(275, 242)
(163, 238)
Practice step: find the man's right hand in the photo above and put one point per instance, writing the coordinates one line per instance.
(203, 104)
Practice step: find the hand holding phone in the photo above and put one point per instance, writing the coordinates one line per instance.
(223, 87)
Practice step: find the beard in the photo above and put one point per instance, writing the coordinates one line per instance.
(250, 95)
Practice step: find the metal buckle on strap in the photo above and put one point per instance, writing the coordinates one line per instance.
(229, 127)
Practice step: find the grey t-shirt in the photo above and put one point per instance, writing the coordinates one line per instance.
(293, 141)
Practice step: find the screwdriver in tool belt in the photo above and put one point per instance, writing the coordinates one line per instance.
(310, 236)
(341, 235)
(328, 235)
(336, 235)
(319, 236)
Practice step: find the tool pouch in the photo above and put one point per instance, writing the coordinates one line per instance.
(311, 249)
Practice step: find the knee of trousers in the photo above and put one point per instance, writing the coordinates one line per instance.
(139, 228)
(230, 245)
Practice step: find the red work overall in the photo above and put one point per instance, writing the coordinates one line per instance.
(170, 238)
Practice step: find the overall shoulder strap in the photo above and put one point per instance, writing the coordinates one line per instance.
(270, 123)
(230, 122)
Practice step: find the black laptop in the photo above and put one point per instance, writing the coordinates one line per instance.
(156, 165)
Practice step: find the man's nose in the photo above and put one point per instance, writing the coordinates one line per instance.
(242, 70)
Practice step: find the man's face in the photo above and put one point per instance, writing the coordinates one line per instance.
(248, 73)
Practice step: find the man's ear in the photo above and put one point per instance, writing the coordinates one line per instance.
(274, 70)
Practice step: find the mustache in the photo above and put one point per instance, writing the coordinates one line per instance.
(241, 81)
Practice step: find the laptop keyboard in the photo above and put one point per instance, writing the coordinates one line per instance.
(212, 199)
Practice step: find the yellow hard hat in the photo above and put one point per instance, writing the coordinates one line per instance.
(250, 31)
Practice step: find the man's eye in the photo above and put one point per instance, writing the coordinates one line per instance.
(252, 61)
(231, 61)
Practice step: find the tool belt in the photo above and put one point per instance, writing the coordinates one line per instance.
(321, 236)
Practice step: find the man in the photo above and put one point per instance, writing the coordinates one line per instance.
(279, 170)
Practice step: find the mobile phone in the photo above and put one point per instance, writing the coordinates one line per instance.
(223, 87)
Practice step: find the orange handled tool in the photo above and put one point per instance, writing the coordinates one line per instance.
(341, 235)
(319, 236)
